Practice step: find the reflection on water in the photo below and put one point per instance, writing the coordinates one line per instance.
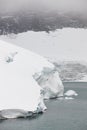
(61, 114)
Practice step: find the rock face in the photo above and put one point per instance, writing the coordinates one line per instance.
(50, 81)
(21, 93)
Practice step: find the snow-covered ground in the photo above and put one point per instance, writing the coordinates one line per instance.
(68, 44)
(72, 71)
(65, 44)
(18, 85)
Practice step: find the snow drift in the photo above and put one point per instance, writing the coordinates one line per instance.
(21, 90)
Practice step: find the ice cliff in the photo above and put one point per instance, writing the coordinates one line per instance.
(25, 80)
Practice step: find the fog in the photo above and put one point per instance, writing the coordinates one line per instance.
(63, 5)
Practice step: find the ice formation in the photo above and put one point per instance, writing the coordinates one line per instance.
(50, 82)
(70, 93)
(20, 92)
(69, 98)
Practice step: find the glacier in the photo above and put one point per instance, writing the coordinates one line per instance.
(26, 79)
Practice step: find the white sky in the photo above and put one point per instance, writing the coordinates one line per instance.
(70, 5)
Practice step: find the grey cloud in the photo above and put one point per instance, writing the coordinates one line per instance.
(65, 5)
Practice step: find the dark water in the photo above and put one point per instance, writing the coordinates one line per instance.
(61, 114)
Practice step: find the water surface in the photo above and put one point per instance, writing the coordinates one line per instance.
(61, 114)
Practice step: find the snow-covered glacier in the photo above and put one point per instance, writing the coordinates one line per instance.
(25, 80)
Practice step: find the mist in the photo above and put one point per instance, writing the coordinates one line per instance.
(62, 5)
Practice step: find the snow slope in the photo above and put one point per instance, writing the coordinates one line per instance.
(19, 89)
(65, 44)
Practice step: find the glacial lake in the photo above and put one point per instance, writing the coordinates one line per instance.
(61, 114)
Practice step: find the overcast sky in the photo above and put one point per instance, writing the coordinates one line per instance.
(64, 5)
